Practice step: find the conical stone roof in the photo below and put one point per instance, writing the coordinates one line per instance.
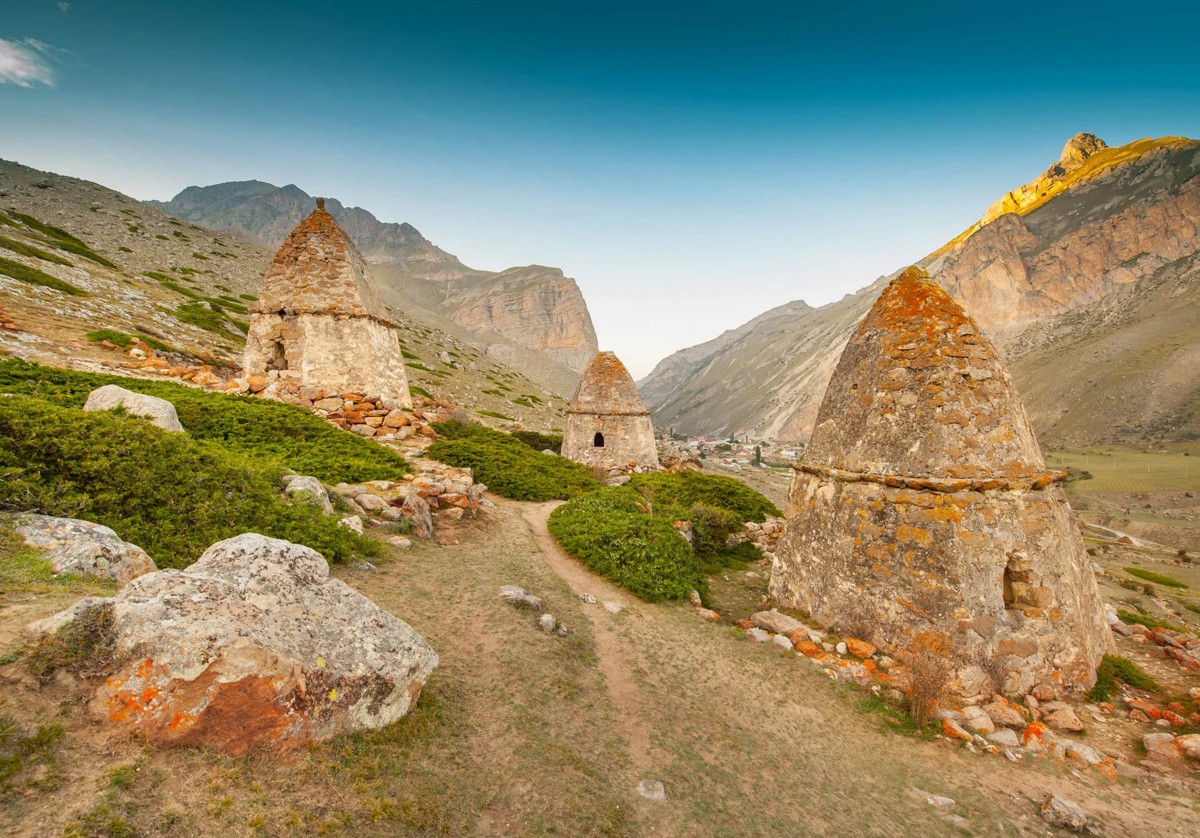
(919, 392)
(319, 270)
(607, 388)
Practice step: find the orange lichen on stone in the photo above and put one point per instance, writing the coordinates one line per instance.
(923, 501)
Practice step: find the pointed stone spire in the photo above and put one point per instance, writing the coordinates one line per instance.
(923, 514)
(607, 423)
(319, 270)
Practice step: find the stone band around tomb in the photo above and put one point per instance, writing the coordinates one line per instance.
(947, 485)
(571, 412)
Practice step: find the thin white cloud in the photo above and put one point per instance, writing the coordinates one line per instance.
(64, 7)
(27, 63)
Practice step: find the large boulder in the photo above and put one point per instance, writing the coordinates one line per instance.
(74, 546)
(252, 646)
(159, 411)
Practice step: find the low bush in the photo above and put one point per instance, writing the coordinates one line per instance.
(508, 466)
(32, 252)
(683, 489)
(61, 239)
(1131, 618)
(168, 493)
(610, 531)
(1115, 669)
(285, 434)
(126, 340)
(212, 318)
(628, 533)
(1156, 578)
(540, 442)
(24, 273)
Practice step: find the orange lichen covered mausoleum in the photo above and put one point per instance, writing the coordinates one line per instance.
(607, 424)
(924, 506)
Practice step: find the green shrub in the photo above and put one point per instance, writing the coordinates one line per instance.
(264, 429)
(494, 415)
(33, 276)
(32, 252)
(1146, 620)
(683, 489)
(419, 391)
(62, 239)
(609, 531)
(1156, 578)
(168, 493)
(126, 340)
(508, 466)
(211, 318)
(1114, 669)
(540, 442)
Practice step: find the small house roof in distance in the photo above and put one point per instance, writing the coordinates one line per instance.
(607, 388)
(920, 392)
(319, 270)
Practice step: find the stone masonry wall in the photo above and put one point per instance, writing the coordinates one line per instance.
(333, 352)
(628, 441)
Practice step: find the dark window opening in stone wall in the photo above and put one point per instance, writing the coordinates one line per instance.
(598, 441)
(278, 360)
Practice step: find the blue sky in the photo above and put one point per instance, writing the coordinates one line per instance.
(690, 164)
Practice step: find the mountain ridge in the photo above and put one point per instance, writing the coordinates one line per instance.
(1088, 244)
(533, 307)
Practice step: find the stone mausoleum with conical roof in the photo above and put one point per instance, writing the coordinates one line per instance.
(923, 512)
(319, 323)
(607, 423)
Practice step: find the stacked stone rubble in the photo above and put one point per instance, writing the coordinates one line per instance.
(924, 512)
(608, 425)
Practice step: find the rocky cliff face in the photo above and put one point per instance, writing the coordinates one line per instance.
(1086, 280)
(535, 307)
(529, 308)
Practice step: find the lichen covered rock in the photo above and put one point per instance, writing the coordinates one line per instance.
(924, 507)
(253, 646)
(160, 412)
(83, 547)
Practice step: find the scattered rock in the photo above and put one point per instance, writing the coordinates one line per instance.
(371, 503)
(859, 648)
(587, 599)
(519, 597)
(401, 542)
(75, 546)
(1004, 737)
(254, 646)
(778, 639)
(546, 622)
(1063, 718)
(934, 799)
(759, 635)
(352, 523)
(777, 622)
(1064, 813)
(416, 508)
(714, 617)
(160, 412)
(652, 790)
(298, 484)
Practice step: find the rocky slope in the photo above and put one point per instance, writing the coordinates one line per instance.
(527, 308)
(1087, 278)
(188, 287)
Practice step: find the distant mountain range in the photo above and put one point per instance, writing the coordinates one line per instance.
(1087, 278)
(537, 316)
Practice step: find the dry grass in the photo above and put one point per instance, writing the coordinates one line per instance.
(520, 733)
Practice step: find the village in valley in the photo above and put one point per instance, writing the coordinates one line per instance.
(309, 528)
